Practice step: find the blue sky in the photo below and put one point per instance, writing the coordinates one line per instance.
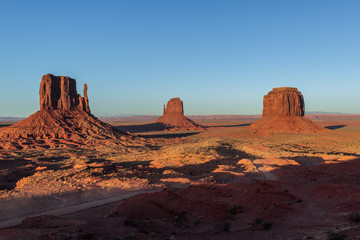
(219, 57)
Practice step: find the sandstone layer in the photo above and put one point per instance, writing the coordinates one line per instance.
(283, 111)
(60, 93)
(173, 117)
(284, 101)
(64, 119)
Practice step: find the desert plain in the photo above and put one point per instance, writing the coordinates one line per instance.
(224, 182)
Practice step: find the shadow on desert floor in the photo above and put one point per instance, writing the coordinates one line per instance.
(333, 127)
(169, 135)
(150, 127)
(225, 126)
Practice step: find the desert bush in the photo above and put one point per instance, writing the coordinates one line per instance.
(233, 210)
(258, 220)
(354, 217)
(225, 225)
(335, 236)
(266, 225)
(131, 236)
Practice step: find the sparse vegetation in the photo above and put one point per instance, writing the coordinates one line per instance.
(130, 236)
(335, 236)
(266, 225)
(225, 225)
(233, 210)
(354, 217)
(257, 220)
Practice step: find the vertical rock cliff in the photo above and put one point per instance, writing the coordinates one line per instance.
(283, 111)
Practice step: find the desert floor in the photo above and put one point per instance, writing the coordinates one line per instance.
(222, 183)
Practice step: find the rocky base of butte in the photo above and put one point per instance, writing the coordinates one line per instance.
(173, 118)
(283, 111)
(64, 119)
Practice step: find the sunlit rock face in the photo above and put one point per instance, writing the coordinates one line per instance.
(284, 101)
(59, 92)
(283, 111)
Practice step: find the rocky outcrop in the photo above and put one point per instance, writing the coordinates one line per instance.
(173, 117)
(284, 101)
(174, 107)
(64, 119)
(283, 111)
(60, 93)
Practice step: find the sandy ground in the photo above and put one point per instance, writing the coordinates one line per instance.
(221, 183)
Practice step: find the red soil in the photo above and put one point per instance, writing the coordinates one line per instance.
(285, 124)
(56, 128)
(304, 203)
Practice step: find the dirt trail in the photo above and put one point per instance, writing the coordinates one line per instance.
(73, 208)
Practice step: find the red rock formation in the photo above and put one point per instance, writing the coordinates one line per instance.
(283, 111)
(64, 119)
(284, 101)
(174, 119)
(60, 93)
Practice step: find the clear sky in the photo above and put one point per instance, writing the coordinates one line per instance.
(219, 57)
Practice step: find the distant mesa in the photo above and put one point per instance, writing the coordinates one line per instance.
(283, 111)
(64, 119)
(174, 119)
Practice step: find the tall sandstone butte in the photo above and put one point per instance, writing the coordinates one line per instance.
(64, 119)
(173, 117)
(283, 111)
(284, 101)
(60, 93)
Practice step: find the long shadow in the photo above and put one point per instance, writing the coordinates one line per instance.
(307, 161)
(150, 127)
(20, 168)
(5, 125)
(236, 125)
(169, 135)
(333, 127)
(228, 158)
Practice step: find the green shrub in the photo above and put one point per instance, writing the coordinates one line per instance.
(225, 225)
(354, 217)
(258, 220)
(266, 225)
(335, 236)
(233, 210)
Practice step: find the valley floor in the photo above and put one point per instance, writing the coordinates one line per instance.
(221, 183)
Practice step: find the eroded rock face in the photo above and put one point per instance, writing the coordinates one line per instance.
(284, 101)
(60, 93)
(174, 119)
(174, 107)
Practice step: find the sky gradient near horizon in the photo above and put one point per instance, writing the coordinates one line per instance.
(219, 57)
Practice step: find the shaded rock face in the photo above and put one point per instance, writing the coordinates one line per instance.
(174, 119)
(284, 101)
(60, 93)
(283, 111)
